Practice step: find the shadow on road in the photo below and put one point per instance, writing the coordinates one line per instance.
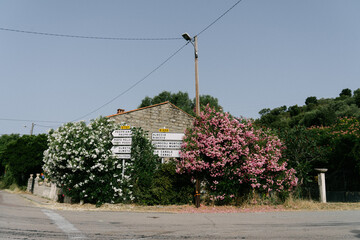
(357, 233)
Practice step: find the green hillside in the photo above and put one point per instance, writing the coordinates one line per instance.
(315, 112)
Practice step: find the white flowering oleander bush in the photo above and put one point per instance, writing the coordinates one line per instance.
(80, 161)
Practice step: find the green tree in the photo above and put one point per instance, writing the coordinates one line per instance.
(323, 116)
(181, 100)
(294, 110)
(209, 100)
(264, 111)
(163, 97)
(345, 93)
(273, 118)
(311, 100)
(22, 157)
(4, 141)
(357, 97)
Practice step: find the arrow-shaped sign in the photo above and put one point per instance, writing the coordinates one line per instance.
(121, 149)
(122, 141)
(122, 133)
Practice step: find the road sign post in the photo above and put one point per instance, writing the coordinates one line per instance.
(122, 145)
(167, 145)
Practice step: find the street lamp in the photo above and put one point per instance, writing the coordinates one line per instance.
(193, 41)
(186, 36)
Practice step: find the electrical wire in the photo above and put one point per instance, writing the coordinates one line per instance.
(26, 120)
(159, 66)
(90, 37)
(134, 85)
(45, 126)
(221, 16)
(1, 134)
(118, 38)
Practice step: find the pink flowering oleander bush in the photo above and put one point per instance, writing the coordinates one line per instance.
(233, 157)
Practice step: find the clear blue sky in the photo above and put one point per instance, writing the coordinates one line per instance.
(262, 54)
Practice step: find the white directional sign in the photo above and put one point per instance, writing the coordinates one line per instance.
(121, 149)
(122, 133)
(167, 153)
(167, 144)
(168, 136)
(121, 141)
(123, 156)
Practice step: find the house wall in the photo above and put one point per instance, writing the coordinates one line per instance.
(153, 118)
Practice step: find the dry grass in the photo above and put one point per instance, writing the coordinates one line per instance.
(297, 204)
(289, 205)
(293, 205)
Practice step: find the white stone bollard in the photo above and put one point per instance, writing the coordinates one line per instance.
(30, 183)
(321, 182)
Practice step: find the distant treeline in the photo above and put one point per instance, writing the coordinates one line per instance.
(315, 112)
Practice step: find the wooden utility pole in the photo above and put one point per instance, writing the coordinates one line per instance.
(32, 129)
(197, 111)
(197, 98)
(193, 41)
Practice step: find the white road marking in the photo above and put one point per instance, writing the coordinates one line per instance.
(71, 231)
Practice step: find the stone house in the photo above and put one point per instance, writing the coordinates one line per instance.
(155, 117)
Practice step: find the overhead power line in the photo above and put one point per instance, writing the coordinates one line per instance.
(123, 39)
(221, 16)
(134, 85)
(45, 126)
(27, 120)
(91, 37)
(159, 66)
(115, 38)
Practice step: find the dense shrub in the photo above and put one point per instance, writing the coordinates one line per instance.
(342, 141)
(304, 154)
(151, 182)
(142, 167)
(170, 187)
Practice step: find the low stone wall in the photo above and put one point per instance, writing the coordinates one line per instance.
(43, 188)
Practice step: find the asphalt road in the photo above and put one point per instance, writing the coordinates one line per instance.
(21, 219)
